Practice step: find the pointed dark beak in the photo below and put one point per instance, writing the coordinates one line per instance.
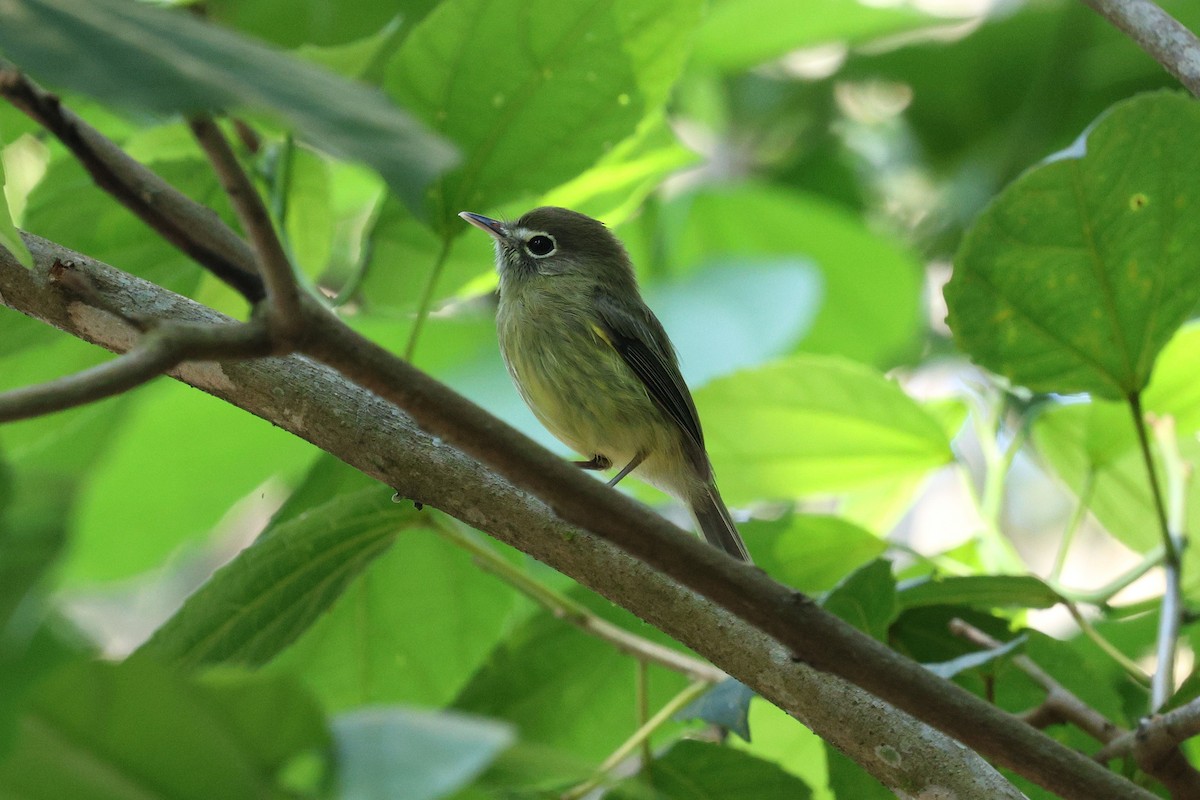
(486, 224)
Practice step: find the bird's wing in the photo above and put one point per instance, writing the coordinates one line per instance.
(639, 338)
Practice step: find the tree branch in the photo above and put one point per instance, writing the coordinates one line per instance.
(1155, 745)
(1158, 33)
(1061, 704)
(731, 613)
(193, 228)
(316, 404)
(739, 594)
(283, 294)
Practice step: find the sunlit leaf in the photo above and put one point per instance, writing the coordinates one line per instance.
(177, 438)
(534, 92)
(811, 424)
(981, 591)
(10, 237)
(808, 551)
(868, 296)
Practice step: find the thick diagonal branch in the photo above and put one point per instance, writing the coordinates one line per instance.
(753, 628)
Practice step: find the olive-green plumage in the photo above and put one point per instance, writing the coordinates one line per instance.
(594, 363)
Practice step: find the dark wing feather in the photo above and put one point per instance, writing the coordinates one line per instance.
(642, 343)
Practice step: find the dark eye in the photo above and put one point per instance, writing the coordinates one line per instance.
(540, 245)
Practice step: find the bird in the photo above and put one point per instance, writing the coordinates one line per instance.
(594, 363)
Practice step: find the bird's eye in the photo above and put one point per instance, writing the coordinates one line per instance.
(540, 246)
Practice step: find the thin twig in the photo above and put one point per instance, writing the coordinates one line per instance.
(1171, 556)
(1162, 36)
(1101, 596)
(1180, 724)
(283, 293)
(1170, 617)
(1073, 524)
(569, 611)
(155, 353)
(190, 226)
(1126, 663)
(1061, 704)
(426, 301)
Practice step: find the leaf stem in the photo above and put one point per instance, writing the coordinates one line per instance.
(639, 737)
(1073, 524)
(1170, 552)
(1105, 593)
(1124, 661)
(427, 298)
(574, 613)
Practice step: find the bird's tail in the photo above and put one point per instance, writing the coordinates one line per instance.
(715, 523)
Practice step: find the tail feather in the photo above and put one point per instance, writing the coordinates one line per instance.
(715, 523)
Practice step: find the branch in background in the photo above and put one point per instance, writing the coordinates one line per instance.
(1155, 745)
(318, 405)
(1157, 738)
(1060, 705)
(283, 294)
(1158, 33)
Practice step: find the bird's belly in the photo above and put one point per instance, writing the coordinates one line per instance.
(583, 393)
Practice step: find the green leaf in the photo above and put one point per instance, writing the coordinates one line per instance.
(45, 462)
(866, 599)
(416, 755)
(694, 770)
(175, 438)
(980, 591)
(849, 780)
(870, 285)
(812, 424)
(1079, 272)
(546, 666)
(412, 628)
(535, 92)
(308, 219)
(169, 62)
(136, 730)
(741, 33)
(258, 604)
(810, 552)
(615, 187)
(1096, 442)
(403, 256)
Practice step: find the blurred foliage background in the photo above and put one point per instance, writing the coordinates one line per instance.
(794, 182)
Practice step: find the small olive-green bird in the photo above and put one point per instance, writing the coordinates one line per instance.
(594, 363)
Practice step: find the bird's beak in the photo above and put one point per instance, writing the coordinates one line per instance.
(486, 224)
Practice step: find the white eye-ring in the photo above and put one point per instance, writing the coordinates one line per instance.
(540, 245)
